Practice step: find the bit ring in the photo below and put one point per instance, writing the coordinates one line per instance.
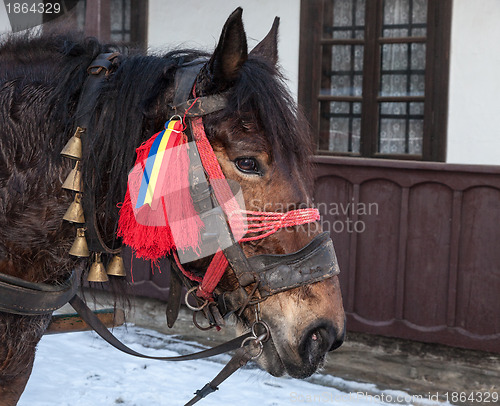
(194, 308)
(264, 336)
(256, 340)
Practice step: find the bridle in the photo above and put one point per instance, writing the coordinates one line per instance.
(258, 277)
(269, 274)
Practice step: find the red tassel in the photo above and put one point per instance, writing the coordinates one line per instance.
(183, 220)
(151, 237)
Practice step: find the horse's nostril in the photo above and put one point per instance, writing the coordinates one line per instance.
(339, 340)
(317, 340)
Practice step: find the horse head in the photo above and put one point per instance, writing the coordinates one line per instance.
(262, 144)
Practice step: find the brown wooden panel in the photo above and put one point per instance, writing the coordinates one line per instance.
(478, 310)
(377, 248)
(428, 254)
(443, 226)
(330, 193)
(148, 279)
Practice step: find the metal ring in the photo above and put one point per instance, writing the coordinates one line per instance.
(261, 345)
(265, 335)
(176, 115)
(193, 308)
(198, 325)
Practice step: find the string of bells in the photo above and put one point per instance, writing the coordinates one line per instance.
(98, 272)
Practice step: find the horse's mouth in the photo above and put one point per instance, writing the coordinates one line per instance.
(270, 360)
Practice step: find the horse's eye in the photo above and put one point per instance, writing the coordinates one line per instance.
(247, 165)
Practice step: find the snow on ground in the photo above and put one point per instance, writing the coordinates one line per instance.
(80, 369)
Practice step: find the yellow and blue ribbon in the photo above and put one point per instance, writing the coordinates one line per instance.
(149, 182)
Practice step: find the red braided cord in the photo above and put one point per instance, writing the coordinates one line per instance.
(212, 277)
(186, 273)
(223, 194)
(271, 221)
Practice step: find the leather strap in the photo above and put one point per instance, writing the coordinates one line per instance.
(102, 63)
(92, 320)
(98, 70)
(240, 359)
(18, 296)
(184, 80)
(201, 106)
(174, 299)
(313, 263)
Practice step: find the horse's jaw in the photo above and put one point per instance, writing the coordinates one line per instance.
(304, 324)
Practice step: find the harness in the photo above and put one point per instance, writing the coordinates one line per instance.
(258, 277)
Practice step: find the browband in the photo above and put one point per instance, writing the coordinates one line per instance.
(201, 106)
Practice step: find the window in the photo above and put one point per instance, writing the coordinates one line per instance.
(122, 21)
(374, 76)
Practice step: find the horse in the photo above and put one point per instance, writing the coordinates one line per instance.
(260, 141)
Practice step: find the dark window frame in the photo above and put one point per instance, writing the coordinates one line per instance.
(436, 76)
(98, 21)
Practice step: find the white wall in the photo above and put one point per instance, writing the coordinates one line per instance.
(474, 104)
(474, 94)
(4, 19)
(198, 24)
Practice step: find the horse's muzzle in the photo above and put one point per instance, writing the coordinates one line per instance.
(319, 338)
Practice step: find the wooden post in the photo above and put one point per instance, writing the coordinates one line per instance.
(66, 323)
(98, 19)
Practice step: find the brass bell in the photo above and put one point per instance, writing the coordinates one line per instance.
(73, 148)
(116, 266)
(74, 214)
(80, 247)
(74, 179)
(97, 271)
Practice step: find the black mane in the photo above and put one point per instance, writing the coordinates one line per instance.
(45, 75)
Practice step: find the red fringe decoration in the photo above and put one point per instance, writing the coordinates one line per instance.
(156, 240)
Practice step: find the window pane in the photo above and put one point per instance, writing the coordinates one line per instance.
(347, 20)
(417, 85)
(419, 12)
(396, 12)
(346, 75)
(403, 70)
(404, 18)
(392, 136)
(415, 137)
(120, 20)
(401, 128)
(340, 127)
(417, 52)
(417, 109)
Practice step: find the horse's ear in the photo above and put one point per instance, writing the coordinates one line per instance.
(268, 47)
(231, 52)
